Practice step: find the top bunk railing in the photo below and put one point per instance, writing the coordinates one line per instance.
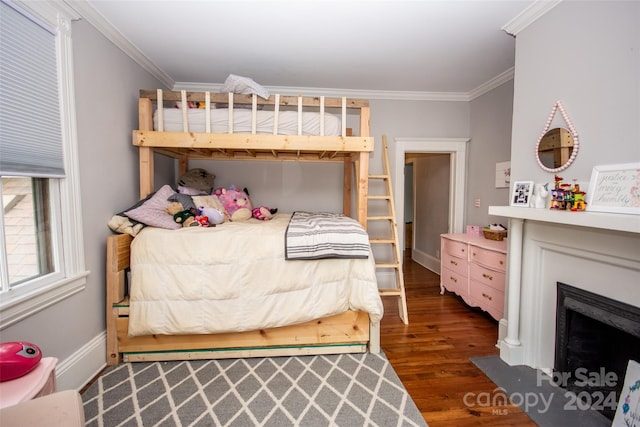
(187, 99)
(250, 139)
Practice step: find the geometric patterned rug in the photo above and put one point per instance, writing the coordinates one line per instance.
(327, 390)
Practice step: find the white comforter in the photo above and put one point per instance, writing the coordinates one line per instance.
(234, 277)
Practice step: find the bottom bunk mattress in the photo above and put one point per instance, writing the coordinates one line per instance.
(234, 277)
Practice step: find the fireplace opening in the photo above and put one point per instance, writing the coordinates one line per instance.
(595, 339)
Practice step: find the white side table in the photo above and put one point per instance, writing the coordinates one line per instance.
(39, 382)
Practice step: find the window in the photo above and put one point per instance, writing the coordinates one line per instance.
(41, 254)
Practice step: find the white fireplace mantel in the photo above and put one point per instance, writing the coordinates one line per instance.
(606, 221)
(511, 347)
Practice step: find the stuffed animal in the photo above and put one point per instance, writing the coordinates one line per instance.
(122, 224)
(214, 216)
(236, 202)
(181, 215)
(198, 179)
(263, 213)
(202, 220)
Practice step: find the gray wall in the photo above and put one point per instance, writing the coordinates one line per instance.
(490, 143)
(584, 54)
(431, 196)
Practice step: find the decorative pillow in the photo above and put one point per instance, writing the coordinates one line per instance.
(152, 211)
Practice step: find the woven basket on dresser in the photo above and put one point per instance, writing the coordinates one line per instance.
(494, 234)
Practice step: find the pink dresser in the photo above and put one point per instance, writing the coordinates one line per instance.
(474, 268)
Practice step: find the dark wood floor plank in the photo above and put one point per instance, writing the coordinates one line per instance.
(431, 354)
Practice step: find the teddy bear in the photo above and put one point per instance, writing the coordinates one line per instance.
(181, 215)
(235, 202)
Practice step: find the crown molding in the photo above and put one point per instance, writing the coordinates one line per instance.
(529, 16)
(88, 12)
(492, 84)
(333, 92)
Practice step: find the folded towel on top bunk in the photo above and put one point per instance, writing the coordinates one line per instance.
(325, 235)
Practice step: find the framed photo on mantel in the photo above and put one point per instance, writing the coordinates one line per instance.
(521, 194)
(615, 189)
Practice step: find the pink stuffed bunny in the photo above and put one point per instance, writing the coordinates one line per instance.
(236, 202)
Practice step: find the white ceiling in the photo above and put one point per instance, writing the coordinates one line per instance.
(400, 46)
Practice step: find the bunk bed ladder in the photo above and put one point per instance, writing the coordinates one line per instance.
(390, 239)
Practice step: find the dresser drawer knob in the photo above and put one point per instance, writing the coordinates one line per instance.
(486, 276)
(453, 279)
(453, 262)
(487, 296)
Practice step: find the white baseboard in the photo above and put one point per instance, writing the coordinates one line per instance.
(74, 372)
(427, 261)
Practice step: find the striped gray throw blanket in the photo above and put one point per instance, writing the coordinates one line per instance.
(325, 235)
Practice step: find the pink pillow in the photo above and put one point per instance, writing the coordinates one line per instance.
(152, 211)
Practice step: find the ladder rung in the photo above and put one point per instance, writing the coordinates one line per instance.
(390, 293)
(378, 176)
(378, 197)
(378, 218)
(383, 240)
(388, 265)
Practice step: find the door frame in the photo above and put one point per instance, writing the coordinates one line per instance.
(457, 149)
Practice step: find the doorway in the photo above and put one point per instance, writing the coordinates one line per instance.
(456, 150)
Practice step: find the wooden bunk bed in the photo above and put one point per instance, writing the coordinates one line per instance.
(348, 332)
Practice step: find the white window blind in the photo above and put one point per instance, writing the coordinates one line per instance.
(30, 129)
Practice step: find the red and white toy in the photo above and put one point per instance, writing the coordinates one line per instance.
(18, 358)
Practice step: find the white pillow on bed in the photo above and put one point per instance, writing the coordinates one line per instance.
(152, 211)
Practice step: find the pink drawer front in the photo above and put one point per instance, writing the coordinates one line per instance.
(455, 264)
(492, 278)
(457, 249)
(453, 281)
(488, 298)
(491, 259)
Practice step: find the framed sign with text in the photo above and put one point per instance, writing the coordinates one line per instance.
(615, 189)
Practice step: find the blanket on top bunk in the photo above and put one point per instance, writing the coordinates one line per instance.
(234, 277)
(325, 235)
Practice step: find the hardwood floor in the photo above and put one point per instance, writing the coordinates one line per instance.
(431, 354)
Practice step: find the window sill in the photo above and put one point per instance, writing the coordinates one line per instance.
(13, 310)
